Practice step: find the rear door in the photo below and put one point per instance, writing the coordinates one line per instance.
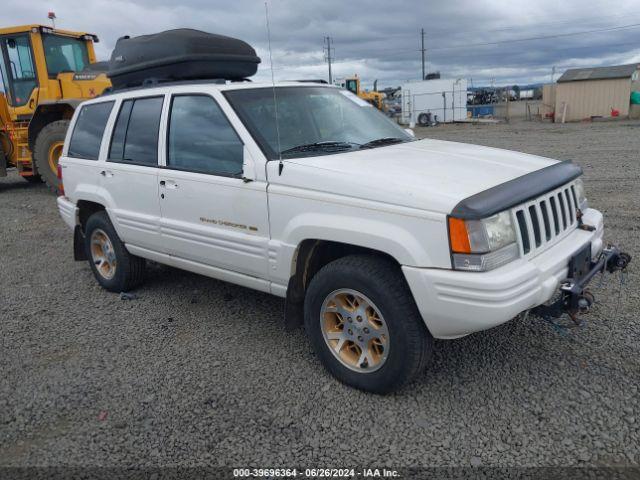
(211, 213)
(130, 174)
(80, 163)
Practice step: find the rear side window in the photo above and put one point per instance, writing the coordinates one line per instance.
(201, 139)
(135, 136)
(87, 133)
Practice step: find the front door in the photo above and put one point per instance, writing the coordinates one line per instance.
(130, 174)
(18, 69)
(210, 215)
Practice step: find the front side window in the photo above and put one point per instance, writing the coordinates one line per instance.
(201, 139)
(88, 131)
(18, 68)
(312, 121)
(64, 54)
(135, 136)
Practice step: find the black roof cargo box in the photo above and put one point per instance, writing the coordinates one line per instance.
(182, 54)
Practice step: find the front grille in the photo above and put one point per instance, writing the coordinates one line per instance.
(545, 220)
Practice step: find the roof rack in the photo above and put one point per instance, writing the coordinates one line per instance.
(154, 82)
(309, 81)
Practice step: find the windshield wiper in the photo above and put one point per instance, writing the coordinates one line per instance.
(320, 147)
(379, 142)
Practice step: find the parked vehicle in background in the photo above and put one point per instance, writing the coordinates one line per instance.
(45, 73)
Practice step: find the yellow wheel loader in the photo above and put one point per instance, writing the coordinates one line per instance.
(374, 97)
(46, 73)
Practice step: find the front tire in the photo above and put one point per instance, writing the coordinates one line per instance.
(113, 266)
(364, 324)
(47, 151)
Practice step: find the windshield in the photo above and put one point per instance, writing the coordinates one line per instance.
(312, 121)
(64, 54)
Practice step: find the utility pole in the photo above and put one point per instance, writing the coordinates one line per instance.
(422, 50)
(328, 52)
(553, 73)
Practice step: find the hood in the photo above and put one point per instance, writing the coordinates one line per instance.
(426, 174)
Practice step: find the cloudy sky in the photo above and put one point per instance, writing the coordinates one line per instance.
(484, 41)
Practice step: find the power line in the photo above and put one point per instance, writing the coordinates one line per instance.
(500, 42)
(330, 58)
(500, 54)
(572, 21)
(488, 55)
(542, 37)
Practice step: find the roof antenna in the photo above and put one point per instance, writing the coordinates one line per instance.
(273, 88)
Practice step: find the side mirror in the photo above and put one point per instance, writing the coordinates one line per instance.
(410, 132)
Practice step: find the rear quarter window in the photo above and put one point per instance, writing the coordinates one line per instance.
(88, 131)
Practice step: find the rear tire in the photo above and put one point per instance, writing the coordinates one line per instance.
(47, 151)
(379, 284)
(113, 266)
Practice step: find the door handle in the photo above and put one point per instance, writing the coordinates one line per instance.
(168, 184)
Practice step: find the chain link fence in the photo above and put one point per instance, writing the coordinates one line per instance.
(491, 103)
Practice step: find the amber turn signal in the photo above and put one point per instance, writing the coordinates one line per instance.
(458, 236)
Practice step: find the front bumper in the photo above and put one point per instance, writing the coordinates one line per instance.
(454, 303)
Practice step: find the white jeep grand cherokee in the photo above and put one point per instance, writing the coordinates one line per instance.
(379, 242)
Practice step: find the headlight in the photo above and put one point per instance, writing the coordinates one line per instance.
(581, 198)
(481, 245)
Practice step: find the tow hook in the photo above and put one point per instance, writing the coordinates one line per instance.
(585, 301)
(575, 299)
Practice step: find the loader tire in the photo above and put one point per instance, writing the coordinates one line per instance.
(3, 162)
(47, 152)
(33, 179)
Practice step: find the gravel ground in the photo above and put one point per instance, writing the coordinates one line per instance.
(199, 372)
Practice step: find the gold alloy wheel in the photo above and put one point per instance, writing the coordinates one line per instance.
(55, 152)
(102, 254)
(354, 330)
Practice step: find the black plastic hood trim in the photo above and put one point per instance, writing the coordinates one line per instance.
(516, 191)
